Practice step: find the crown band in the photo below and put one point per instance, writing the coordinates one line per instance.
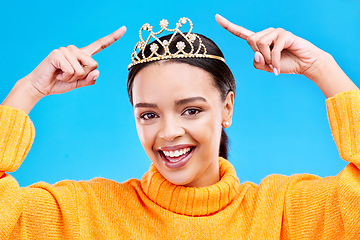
(189, 38)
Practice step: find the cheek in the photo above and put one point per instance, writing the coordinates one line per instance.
(206, 130)
(147, 136)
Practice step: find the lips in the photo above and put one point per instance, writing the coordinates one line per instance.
(176, 156)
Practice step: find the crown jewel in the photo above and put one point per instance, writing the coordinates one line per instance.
(189, 38)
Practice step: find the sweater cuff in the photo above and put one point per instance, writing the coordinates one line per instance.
(16, 137)
(344, 118)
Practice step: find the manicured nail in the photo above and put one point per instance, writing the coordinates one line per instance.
(276, 72)
(257, 57)
(221, 18)
(271, 66)
(97, 74)
(218, 15)
(123, 28)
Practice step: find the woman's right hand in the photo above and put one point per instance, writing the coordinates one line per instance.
(67, 68)
(63, 70)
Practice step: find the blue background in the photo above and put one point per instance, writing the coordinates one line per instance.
(280, 123)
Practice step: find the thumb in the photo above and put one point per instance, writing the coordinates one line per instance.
(89, 80)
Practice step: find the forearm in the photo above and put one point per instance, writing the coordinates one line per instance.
(23, 96)
(329, 77)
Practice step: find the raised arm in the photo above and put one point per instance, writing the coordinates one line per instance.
(280, 51)
(42, 210)
(314, 207)
(63, 70)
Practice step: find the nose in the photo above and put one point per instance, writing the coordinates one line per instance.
(171, 129)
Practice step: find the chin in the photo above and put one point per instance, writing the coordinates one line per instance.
(179, 177)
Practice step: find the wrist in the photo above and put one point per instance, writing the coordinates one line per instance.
(328, 76)
(30, 88)
(318, 70)
(23, 96)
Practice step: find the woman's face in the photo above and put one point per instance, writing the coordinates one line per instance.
(179, 116)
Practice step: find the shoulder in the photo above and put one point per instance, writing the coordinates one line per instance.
(103, 182)
(94, 187)
(277, 185)
(107, 189)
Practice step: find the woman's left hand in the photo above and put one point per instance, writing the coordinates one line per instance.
(277, 50)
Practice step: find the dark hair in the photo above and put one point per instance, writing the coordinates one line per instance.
(223, 78)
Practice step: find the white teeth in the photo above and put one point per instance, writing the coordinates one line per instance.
(176, 153)
(172, 160)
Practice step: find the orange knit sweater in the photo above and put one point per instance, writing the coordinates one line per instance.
(296, 207)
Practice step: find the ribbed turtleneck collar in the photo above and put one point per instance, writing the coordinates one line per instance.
(192, 201)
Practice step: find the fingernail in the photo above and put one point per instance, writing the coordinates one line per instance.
(276, 72)
(257, 58)
(219, 16)
(271, 66)
(97, 74)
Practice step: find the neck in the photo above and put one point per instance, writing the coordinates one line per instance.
(210, 176)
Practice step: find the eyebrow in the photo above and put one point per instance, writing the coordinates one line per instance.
(146, 105)
(189, 100)
(177, 102)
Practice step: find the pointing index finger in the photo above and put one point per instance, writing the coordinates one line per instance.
(104, 42)
(241, 32)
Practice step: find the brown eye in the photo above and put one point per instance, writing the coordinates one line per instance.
(192, 112)
(148, 116)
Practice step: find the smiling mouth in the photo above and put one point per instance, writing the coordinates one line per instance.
(176, 158)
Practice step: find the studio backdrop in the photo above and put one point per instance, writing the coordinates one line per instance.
(280, 122)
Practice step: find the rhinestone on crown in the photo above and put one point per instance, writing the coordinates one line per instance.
(189, 38)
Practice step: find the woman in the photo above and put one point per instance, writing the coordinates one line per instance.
(181, 105)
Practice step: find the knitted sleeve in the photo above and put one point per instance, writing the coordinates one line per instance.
(16, 136)
(344, 117)
(328, 208)
(41, 211)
